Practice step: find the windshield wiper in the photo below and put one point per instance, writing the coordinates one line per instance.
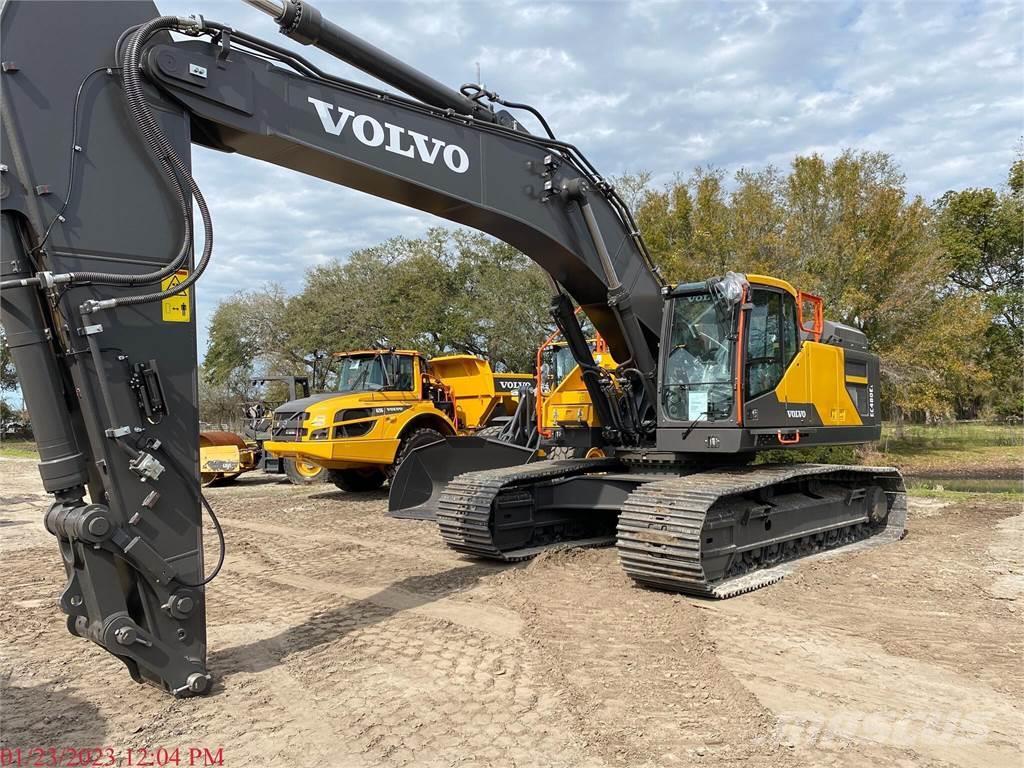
(693, 424)
(360, 379)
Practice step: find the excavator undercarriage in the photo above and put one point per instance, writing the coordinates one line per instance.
(712, 533)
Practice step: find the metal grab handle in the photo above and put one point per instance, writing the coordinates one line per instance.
(788, 441)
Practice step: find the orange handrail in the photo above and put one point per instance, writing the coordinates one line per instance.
(819, 314)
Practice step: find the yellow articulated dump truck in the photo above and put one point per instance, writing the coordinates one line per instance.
(388, 403)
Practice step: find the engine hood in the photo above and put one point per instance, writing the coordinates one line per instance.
(294, 406)
(368, 399)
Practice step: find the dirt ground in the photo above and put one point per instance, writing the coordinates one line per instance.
(339, 637)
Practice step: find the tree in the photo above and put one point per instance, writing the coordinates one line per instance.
(244, 328)
(8, 375)
(501, 312)
(220, 402)
(448, 292)
(981, 232)
(8, 378)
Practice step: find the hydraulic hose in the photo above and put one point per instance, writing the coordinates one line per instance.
(174, 172)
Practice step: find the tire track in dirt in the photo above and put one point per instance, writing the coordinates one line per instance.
(636, 667)
(342, 638)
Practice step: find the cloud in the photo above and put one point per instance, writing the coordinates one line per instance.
(649, 85)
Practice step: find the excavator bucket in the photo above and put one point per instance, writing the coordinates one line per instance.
(424, 473)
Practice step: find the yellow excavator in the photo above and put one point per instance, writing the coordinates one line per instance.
(555, 419)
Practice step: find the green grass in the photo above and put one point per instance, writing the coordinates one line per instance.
(18, 449)
(920, 438)
(923, 491)
(959, 450)
(962, 461)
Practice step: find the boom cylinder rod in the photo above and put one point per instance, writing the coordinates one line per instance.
(303, 22)
(618, 295)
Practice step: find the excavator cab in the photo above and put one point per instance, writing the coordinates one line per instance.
(745, 371)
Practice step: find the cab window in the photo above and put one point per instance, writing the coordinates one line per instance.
(790, 334)
(698, 383)
(403, 376)
(772, 340)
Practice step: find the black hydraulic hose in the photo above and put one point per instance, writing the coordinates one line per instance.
(221, 545)
(174, 173)
(634, 413)
(308, 69)
(175, 169)
(164, 158)
(533, 111)
(75, 149)
(189, 478)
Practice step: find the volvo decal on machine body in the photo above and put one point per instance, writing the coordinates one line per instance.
(369, 131)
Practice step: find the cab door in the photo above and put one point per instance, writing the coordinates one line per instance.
(772, 341)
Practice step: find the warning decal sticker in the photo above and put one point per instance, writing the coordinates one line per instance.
(176, 308)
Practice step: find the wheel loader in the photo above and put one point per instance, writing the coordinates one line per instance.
(105, 233)
(387, 404)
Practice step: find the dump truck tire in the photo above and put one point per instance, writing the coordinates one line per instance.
(357, 480)
(415, 439)
(304, 473)
(563, 452)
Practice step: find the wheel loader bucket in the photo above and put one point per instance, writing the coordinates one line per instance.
(424, 473)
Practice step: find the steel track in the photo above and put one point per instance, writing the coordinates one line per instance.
(664, 524)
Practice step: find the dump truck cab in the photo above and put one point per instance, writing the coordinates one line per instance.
(385, 403)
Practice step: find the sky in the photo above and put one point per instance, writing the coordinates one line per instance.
(662, 87)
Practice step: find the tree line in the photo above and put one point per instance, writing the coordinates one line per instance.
(451, 291)
(938, 287)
